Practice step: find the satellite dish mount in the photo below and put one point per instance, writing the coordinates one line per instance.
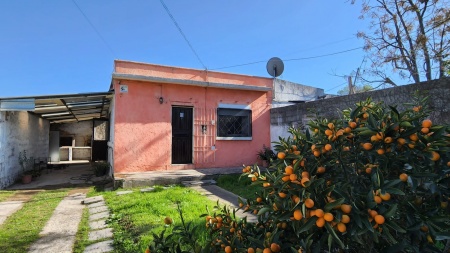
(275, 67)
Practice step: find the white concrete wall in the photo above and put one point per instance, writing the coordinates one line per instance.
(80, 131)
(20, 131)
(285, 91)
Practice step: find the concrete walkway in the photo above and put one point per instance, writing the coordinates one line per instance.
(59, 233)
(8, 208)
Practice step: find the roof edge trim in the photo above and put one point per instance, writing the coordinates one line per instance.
(153, 79)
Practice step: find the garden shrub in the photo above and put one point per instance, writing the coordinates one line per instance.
(376, 180)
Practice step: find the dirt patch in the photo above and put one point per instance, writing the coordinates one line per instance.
(23, 195)
(83, 190)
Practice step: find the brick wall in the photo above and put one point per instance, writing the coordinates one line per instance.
(439, 103)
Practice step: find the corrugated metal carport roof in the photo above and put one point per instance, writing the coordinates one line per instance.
(62, 108)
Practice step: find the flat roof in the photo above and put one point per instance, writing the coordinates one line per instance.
(65, 108)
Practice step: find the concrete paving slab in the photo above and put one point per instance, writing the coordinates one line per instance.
(96, 235)
(99, 209)
(225, 197)
(202, 182)
(123, 192)
(97, 204)
(98, 216)
(8, 208)
(150, 189)
(59, 233)
(91, 200)
(100, 247)
(98, 224)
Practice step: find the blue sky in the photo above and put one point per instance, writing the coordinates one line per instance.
(49, 47)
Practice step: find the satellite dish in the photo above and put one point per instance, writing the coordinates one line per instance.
(275, 66)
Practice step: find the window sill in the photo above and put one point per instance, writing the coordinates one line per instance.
(234, 138)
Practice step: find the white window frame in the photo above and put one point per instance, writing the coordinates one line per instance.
(237, 107)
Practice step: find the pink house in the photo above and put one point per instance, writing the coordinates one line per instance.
(170, 118)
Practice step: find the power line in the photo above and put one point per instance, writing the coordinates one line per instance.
(293, 59)
(95, 29)
(182, 34)
(336, 86)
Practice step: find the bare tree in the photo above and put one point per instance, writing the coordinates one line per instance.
(412, 36)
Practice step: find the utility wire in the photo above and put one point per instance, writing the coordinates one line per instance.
(95, 29)
(336, 86)
(182, 34)
(293, 59)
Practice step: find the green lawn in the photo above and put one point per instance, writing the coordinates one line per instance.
(5, 194)
(137, 215)
(240, 186)
(23, 227)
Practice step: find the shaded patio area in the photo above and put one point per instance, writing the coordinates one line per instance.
(64, 175)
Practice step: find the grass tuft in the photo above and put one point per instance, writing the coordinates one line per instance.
(240, 186)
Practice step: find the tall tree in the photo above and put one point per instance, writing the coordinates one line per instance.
(410, 35)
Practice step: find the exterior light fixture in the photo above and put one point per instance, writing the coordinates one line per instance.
(161, 100)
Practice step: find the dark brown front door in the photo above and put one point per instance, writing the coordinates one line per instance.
(181, 135)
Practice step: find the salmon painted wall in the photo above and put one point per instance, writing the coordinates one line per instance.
(143, 130)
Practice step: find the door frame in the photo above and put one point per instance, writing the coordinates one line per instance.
(192, 133)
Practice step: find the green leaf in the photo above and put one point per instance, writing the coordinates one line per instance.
(335, 237)
(264, 210)
(333, 204)
(395, 226)
(391, 212)
(311, 221)
(442, 236)
(394, 191)
(391, 183)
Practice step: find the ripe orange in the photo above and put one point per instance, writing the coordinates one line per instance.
(328, 147)
(304, 180)
(347, 130)
(346, 148)
(168, 220)
(298, 214)
(352, 124)
(267, 250)
(330, 126)
(286, 178)
(373, 213)
(309, 203)
(435, 156)
(320, 170)
(413, 137)
(266, 184)
(365, 115)
(305, 174)
(281, 155)
(427, 123)
(425, 130)
(417, 108)
(275, 247)
(250, 250)
(320, 222)
(228, 249)
(346, 208)
(293, 177)
(380, 151)
(379, 219)
(147, 250)
(289, 170)
(328, 216)
(380, 136)
(282, 195)
(328, 132)
(386, 196)
(374, 138)
(319, 213)
(368, 170)
(448, 164)
(294, 147)
(367, 146)
(259, 199)
(388, 140)
(401, 141)
(424, 228)
(313, 147)
(377, 199)
(341, 227)
(345, 219)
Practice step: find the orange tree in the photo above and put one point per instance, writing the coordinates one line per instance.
(376, 180)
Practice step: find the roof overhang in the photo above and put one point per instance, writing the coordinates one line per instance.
(153, 79)
(65, 108)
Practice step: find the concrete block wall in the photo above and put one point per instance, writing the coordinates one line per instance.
(438, 90)
(20, 131)
(285, 91)
(80, 131)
